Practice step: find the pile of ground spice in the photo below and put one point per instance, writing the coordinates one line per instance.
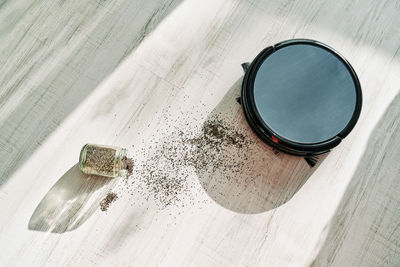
(129, 166)
(170, 162)
(219, 145)
(106, 202)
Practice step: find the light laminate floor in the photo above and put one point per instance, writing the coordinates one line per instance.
(133, 73)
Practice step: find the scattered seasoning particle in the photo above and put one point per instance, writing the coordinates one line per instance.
(106, 202)
(165, 174)
(129, 166)
(167, 162)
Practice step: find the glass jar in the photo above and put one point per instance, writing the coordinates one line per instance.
(103, 160)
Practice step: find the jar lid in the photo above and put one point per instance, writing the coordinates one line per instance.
(303, 95)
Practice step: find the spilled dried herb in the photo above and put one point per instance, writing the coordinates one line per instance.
(106, 202)
(165, 174)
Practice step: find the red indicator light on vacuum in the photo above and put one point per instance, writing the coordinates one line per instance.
(274, 139)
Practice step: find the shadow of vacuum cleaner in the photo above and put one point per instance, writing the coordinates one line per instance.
(299, 97)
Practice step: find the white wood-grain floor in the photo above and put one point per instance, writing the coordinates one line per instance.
(120, 72)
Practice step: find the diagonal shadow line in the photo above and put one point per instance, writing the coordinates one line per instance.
(59, 91)
(364, 230)
(51, 101)
(358, 21)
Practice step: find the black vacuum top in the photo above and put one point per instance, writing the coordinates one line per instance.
(302, 94)
(305, 93)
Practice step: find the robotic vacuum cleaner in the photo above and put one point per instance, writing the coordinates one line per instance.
(301, 97)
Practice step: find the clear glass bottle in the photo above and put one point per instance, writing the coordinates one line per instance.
(103, 160)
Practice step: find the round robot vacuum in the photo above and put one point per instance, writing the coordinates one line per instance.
(301, 97)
